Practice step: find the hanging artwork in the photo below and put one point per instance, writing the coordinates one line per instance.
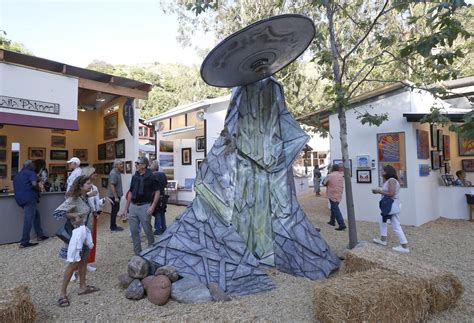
(186, 156)
(110, 150)
(111, 126)
(440, 140)
(468, 165)
(169, 172)
(58, 154)
(3, 171)
(58, 141)
(81, 154)
(434, 135)
(435, 160)
(200, 143)
(424, 169)
(465, 145)
(166, 160)
(391, 151)
(36, 153)
(120, 148)
(363, 161)
(422, 144)
(101, 151)
(3, 155)
(166, 146)
(446, 148)
(128, 167)
(3, 141)
(364, 176)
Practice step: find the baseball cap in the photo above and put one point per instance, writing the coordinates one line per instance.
(74, 160)
(142, 160)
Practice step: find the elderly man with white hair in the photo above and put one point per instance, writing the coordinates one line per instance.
(74, 165)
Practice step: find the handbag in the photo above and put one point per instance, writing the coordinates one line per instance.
(65, 232)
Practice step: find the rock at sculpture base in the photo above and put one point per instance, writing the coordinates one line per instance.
(158, 289)
(135, 290)
(124, 280)
(168, 271)
(16, 305)
(218, 295)
(190, 290)
(137, 267)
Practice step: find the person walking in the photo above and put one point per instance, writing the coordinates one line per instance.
(160, 210)
(27, 191)
(78, 212)
(74, 166)
(141, 203)
(317, 180)
(335, 187)
(115, 192)
(391, 191)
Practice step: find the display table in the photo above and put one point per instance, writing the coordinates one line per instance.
(11, 216)
(452, 202)
(180, 196)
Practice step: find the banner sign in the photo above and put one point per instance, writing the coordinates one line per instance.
(9, 102)
(128, 115)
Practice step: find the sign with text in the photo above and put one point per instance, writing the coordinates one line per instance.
(9, 102)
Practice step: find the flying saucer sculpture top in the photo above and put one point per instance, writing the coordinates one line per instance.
(257, 51)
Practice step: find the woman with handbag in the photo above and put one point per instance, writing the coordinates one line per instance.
(391, 193)
(77, 211)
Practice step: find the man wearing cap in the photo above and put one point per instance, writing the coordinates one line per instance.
(115, 192)
(141, 203)
(74, 164)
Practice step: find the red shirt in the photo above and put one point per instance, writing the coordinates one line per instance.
(335, 186)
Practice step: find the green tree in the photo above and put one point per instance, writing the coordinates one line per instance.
(8, 44)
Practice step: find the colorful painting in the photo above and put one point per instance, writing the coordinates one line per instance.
(465, 145)
(424, 170)
(81, 154)
(434, 135)
(166, 146)
(391, 151)
(110, 150)
(364, 176)
(363, 161)
(57, 169)
(468, 165)
(58, 141)
(186, 156)
(446, 148)
(188, 183)
(435, 160)
(120, 148)
(111, 126)
(166, 160)
(422, 144)
(169, 172)
(36, 153)
(58, 155)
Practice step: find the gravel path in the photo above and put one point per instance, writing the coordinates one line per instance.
(447, 244)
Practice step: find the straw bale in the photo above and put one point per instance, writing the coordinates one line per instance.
(16, 305)
(371, 296)
(445, 288)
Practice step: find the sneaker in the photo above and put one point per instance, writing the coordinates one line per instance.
(91, 268)
(341, 228)
(117, 229)
(29, 244)
(332, 223)
(73, 277)
(401, 249)
(380, 242)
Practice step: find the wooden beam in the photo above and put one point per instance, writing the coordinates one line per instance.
(112, 89)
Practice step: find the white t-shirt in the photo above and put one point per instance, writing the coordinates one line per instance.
(75, 173)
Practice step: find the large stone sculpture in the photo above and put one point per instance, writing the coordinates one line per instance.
(246, 215)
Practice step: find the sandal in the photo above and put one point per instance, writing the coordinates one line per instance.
(88, 290)
(63, 301)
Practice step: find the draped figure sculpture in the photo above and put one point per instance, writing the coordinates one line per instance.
(246, 216)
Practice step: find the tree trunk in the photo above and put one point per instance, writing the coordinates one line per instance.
(340, 99)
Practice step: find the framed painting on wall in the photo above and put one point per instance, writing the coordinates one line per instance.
(3, 155)
(391, 151)
(36, 153)
(3, 141)
(81, 154)
(58, 154)
(424, 170)
(447, 168)
(105, 182)
(468, 165)
(58, 141)
(101, 151)
(364, 176)
(446, 148)
(363, 161)
(422, 144)
(434, 135)
(107, 168)
(99, 168)
(58, 169)
(111, 126)
(465, 145)
(128, 167)
(120, 148)
(110, 150)
(169, 172)
(186, 156)
(166, 146)
(440, 140)
(166, 160)
(200, 143)
(3, 171)
(58, 131)
(198, 164)
(435, 160)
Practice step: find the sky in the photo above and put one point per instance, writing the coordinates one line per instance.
(76, 32)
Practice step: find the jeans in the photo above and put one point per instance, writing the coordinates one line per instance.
(32, 218)
(113, 214)
(160, 222)
(336, 214)
(137, 215)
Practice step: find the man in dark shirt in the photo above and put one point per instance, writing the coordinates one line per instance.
(141, 203)
(26, 188)
(160, 177)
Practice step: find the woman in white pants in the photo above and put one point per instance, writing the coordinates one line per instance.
(391, 189)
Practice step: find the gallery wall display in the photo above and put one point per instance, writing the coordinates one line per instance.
(101, 151)
(435, 160)
(446, 148)
(422, 144)
(467, 165)
(110, 150)
(82, 154)
(364, 176)
(391, 151)
(111, 126)
(120, 148)
(58, 141)
(3, 141)
(36, 153)
(3, 155)
(186, 156)
(58, 154)
(200, 143)
(434, 135)
(166, 146)
(128, 167)
(465, 145)
(341, 165)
